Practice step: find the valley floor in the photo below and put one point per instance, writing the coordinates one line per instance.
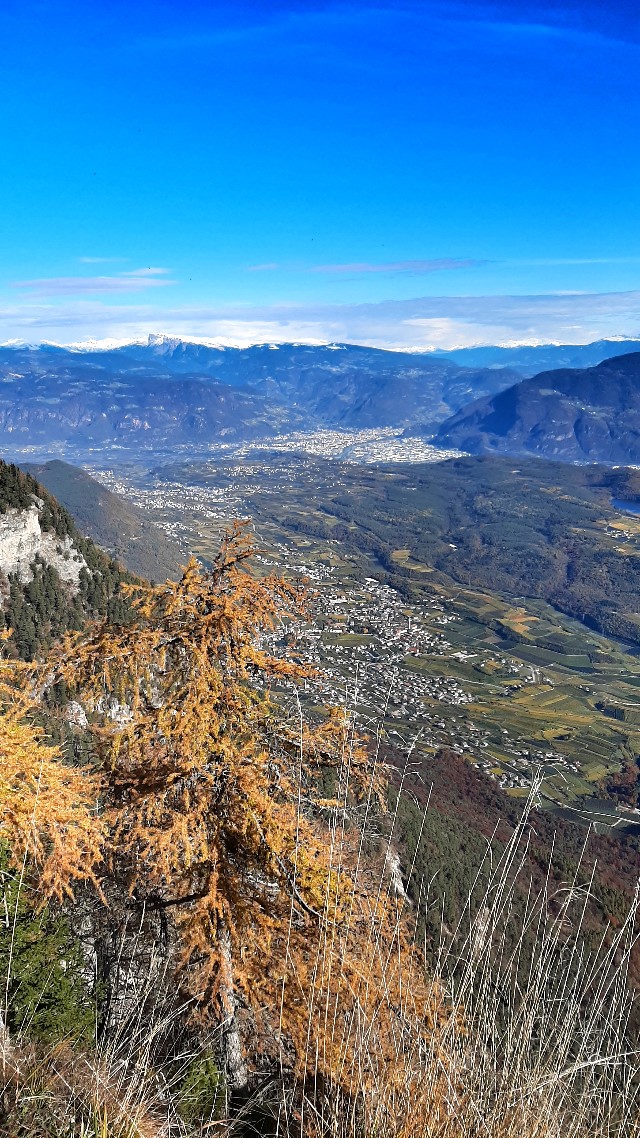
(517, 687)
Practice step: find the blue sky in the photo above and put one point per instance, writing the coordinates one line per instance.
(394, 173)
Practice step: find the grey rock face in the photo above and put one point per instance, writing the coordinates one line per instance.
(22, 540)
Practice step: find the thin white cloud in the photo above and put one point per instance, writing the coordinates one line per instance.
(101, 260)
(280, 23)
(79, 286)
(436, 265)
(592, 26)
(421, 323)
(411, 267)
(148, 272)
(545, 262)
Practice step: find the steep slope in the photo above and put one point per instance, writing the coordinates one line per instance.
(581, 415)
(116, 526)
(51, 578)
(62, 400)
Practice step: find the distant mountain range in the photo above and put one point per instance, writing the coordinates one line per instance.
(147, 398)
(529, 360)
(578, 415)
(168, 393)
(83, 401)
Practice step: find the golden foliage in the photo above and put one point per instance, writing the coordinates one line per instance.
(48, 811)
(214, 815)
(355, 997)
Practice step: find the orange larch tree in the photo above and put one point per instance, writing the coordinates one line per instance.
(214, 817)
(48, 811)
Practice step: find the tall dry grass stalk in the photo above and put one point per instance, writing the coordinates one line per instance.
(118, 1089)
(58, 1093)
(528, 1031)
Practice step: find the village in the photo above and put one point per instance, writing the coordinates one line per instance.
(389, 661)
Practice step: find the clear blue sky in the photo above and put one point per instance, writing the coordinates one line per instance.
(392, 172)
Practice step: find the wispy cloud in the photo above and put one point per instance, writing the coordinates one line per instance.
(588, 21)
(237, 25)
(437, 265)
(134, 281)
(101, 260)
(411, 267)
(151, 271)
(545, 262)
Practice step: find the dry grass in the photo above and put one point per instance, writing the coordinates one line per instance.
(529, 1036)
(56, 1092)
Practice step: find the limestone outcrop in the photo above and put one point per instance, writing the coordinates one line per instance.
(22, 540)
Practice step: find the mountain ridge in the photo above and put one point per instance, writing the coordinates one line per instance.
(165, 394)
(529, 359)
(575, 415)
(526, 357)
(119, 528)
(145, 398)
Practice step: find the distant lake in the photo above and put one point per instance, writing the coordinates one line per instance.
(625, 507)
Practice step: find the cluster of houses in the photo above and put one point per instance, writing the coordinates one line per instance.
(388, 659)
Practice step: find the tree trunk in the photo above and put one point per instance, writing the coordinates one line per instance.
(236, 1068)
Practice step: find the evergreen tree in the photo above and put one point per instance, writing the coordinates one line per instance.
(42, 969)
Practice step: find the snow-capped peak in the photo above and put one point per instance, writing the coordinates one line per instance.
(107, 344)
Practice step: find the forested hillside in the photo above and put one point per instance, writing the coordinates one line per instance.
(528, 528)
(113, 523)
(468, 814)
(587, 414)
(52, 578)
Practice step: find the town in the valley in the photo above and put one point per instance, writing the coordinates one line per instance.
(399, 665)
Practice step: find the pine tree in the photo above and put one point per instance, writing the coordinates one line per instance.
(42, 969)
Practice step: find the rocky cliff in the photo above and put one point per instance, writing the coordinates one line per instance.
(23, 542)
(52, 579)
